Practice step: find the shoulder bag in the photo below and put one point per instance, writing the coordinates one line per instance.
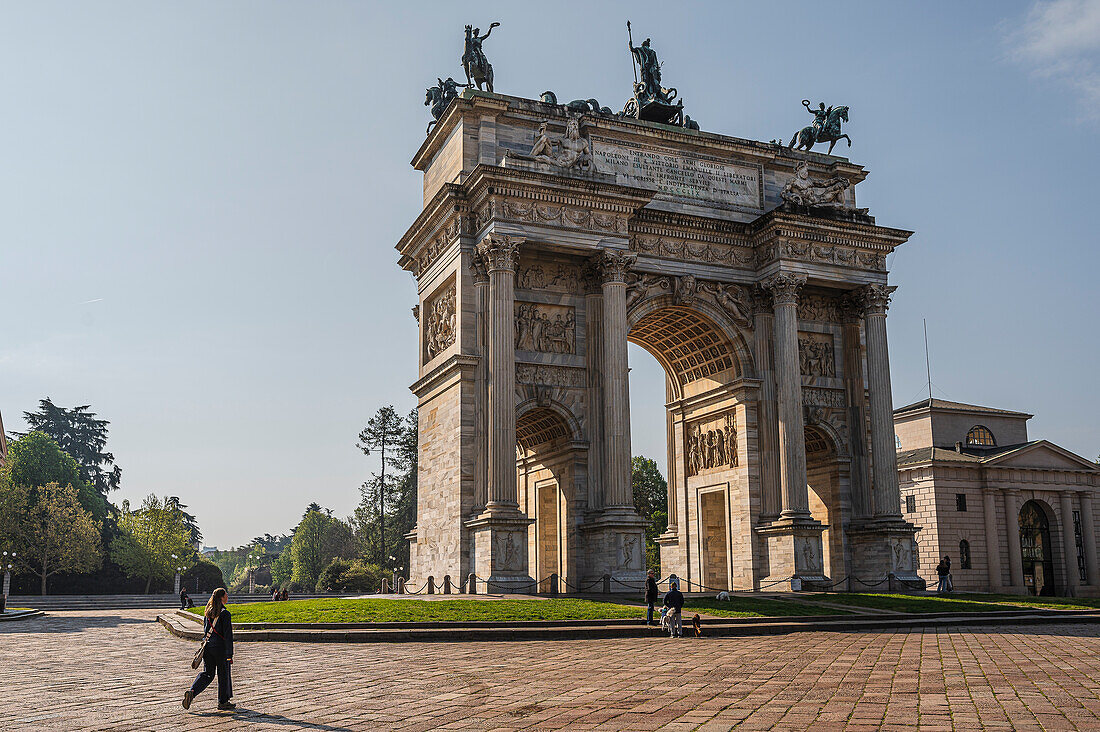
(202, 645)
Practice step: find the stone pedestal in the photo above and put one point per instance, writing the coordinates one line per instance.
(794, 551)
(883, 547)
(616, 547)
(499, 556)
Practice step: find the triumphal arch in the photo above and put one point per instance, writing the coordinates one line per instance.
(551, 236)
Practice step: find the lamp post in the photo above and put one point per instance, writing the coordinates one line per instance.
(393, 561)
(177, 576)
(251, 575)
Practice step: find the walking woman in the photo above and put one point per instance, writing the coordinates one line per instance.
(218, 654)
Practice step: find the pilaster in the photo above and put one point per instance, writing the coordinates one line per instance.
(1088, 539)
(1015, 555)
(992, 538)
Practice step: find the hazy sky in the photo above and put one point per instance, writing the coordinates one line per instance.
(200, 200)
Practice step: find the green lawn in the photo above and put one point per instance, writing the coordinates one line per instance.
(911, 603)
(746, 607)
(389, 611)
(1056, 603)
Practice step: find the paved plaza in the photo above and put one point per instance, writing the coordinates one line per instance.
(119, 670)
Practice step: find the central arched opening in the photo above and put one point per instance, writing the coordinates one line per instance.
(545, 464)
(685, 416)
(1036, 549)
(823, 483)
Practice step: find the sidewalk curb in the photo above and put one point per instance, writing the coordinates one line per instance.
(756, 626)
(21, 615)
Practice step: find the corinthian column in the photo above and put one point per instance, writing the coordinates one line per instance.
(788, 379)
(613, 267)
(499, 255)
(767, 434)
(884, 458)
(481, 382)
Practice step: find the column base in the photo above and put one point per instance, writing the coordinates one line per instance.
(794, 554)
(881, 547)
(615, 541)
(499, 555)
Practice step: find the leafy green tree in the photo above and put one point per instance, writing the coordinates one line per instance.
(651, 502)
(203, 576)
(81, 434)
(344, 576)
(35, 459)
(282, 569)
(48, 529)
(189, 520)
(308, 548)
(382, 434)
(147, 539)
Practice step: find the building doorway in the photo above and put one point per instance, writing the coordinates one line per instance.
(1035, 548)
(548, 531)
(714, 539)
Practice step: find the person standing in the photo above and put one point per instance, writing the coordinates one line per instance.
(218, 654)
(650, 596)
(941, 572)
(674, 601)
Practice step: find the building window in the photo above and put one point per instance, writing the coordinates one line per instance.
(964, 554)
(1080, 542)
(960, 501)
(980, 436)
(897, 442)
(910, 504)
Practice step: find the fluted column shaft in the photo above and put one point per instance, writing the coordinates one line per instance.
(1088, 538)
(1069, 542)
(992, 545)
(767, 429)
(616, 386)
(481, 383)
(788, 383)
(887, 494)
(499, 256)
(1012, 523)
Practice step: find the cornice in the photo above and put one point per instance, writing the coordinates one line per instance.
(449, 368)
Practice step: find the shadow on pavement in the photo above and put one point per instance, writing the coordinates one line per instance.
(69, 624)
(255, 716)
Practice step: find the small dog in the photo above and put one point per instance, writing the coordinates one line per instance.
(696, 625)
(723, 596)
(665, 620)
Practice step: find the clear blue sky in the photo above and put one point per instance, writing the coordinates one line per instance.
(200, 203)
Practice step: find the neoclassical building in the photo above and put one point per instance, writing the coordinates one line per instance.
(1013, 514)
(548, 240)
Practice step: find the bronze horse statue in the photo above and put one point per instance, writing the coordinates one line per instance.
(477, 67)
(829, 132)
(438, 97)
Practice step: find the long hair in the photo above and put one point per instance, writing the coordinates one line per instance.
(216, 603)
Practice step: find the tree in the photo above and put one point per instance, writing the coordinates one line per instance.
(147, 539)
(78, 432)
(308, 548)
(383, 433)
(651, 502)
(189, 520)
(48, 529)
(35, 459)
(282, 569)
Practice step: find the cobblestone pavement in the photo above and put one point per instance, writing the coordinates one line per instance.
(119, 670)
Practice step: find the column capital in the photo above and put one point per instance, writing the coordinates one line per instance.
(478, 272)
(499, 253)
(850, 307)
(784, 287)
(875, 299)
(1083, 495)
(613, 266)
(760, 299)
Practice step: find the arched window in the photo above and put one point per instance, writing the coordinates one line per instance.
(964, 554)
(981, 436)
(897, 442)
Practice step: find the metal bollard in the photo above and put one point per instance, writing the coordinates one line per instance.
(446, 584)
(890, 581)
(431, 585)
(554, 584)
(401, 585)
(607, 584)
(472, 584)
(385, 586)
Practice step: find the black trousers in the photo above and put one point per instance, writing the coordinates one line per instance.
(212, 662)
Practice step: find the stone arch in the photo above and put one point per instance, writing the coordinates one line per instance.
(1038, 526)
(823, 482)
(532, 413)
(699, 312)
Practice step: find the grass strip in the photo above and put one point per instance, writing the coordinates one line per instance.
(912, 603)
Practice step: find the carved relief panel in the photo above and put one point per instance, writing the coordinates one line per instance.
(548, 276)
(815, 354)
(710, 444)
(546, 328)
(439, 321)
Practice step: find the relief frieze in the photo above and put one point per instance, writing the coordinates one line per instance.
(545, 328)
(439, 325)
(547, 276)
(697, 251)
(817, 397)
(815, 354)
(819, 308)
(550, 375)
(711, 445)
(572, 217)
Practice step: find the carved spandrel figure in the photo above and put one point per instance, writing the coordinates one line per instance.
(802, 190)
(477, 67)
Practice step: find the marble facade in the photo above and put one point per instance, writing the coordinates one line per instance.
(769, 321)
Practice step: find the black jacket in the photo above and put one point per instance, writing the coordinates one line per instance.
(221, 640)
(674, 599)
(650, 590)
